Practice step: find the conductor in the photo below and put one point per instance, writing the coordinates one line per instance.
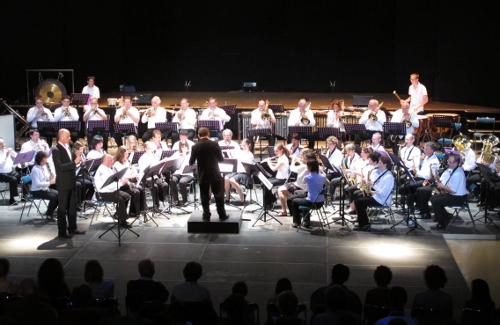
(208, 154)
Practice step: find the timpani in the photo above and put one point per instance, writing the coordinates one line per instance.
(436, 132)
(423, 129)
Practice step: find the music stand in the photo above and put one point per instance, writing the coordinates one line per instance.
(251, 171)
(490, 178)
(136, 157)
(262, 175)
(276, 108)
(396, 129)
(167, 153)
(257, 133)
(270, 151)
(47, 128)
(325, 132)
(115, 178)
(125, 129)
(224, 150)
(191, 169)
(150, 172)
(212, 125)
(357, 130)
(72, 126)
(98, 127)
(442, 121)
(229, 109)
(78, 98)
(24, 158)
(167, 127)
(302, 130)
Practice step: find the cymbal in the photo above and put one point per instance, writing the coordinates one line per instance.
(51, 90)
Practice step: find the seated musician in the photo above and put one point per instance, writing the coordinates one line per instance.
(109, 193)
(334, 156)
(468, 164)
(154, 114)
(35, 144)
(7, 174)
(214, 113)
(381, 192)
(158, 145)
(298, 188)
(294, 147)
(84, 186)
(315, 182)
(96, 148)
(334, 115)
(422, 173)
(240, 177)
(40, 113)
(258, 122)
(186, 119)
(127, 114)
(373, 125)
(41, 180)
(359, 171)
(409, 154)
(94, 113)
(179, 177)
(377, 142)
(184, 139)
(132, 146)
(402, 115)
(159, 188)
(477, 178)
(281, 169)
(227, 141)
(131, 187)
(67, 113)
(302, 116)
(453, 191)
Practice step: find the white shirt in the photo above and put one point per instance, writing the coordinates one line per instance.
(60, 116)
(159, 117)
(296, 117)
(100, 177)
(158, 151)
(456, 183)
(133, 111)
(222, 117)
(118, 166)
(333, 122)
(417, 96)
(30, 117)
(425, 170)
(378, 147)
(410, 156)
(470, 160)
(369, 124)
(335, 159)
(246, 157)
(92, 91)
(256, 118)
(5, 162)
(282, 172)
(397, 116)
(89, 113)
(297, 152)
(189, 122)
(146, 160)
(176, 145)
(184, 163)
(30, 146)
(40, 178)
(94, 154)
(383, 185)
(234, 152)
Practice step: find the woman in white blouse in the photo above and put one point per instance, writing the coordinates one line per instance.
(41, 179)
(240, 177)
(97, 151)
(281, 168)
(178, 177)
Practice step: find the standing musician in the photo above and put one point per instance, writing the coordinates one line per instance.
(41, 180)
(422, 173)
(183, 135)
(418, 95)
(303, 116)
(281, 169)
(66, 164)
(159, 188)
(403, 115)
(227, 135)
(178, 177)
(7, 174)
(154, 114)
(381, 192)
(260, 120)
(294, 147)
(453, 191)
(35, 144)
(357, 171)
(67, 113)
(240, 177)
(215, 113)
(91, 89)
(109, 193)
(186, 119)
(334, 115)
(39, 113)
(373, 119)
(126, 114)
(132, 187)
(208, 155)
(94, 113)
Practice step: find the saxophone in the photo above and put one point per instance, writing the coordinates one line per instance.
(437, 191)
(431, 179)
(363, 187)
(352, 179)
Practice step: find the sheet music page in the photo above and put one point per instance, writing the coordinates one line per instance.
(225, 168)
(265, 181)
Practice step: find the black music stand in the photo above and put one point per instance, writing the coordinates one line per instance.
(358, 130)
(442, 121)
(212, 125)
(98, 127)
(150, 172)
(224, 150)
(115, 178)
(325, 132)
(396, 129)
(302, 130)
(251, 171)
(24, 158)
(78, 98)
(125, 129)
(167, 153)
(192, 169)
(136, 157)
(229, 109)
(262, 175)
(257, 133)
(48, 129)
(167, 128)
(490, 178)
(72, 126)
(276, 108)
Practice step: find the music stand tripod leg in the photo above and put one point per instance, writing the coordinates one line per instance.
(264, 213)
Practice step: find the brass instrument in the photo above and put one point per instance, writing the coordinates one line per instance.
(363, 186)
(487, 155)
(149, 112)
(211, 114)
(437, 191)
(397, 96)
(352, 179)
(432, 178)
(304, 120)
(124, 113)
(343, 118)
(66, 111)
(462, 144)
(265, 115)
(373, 116)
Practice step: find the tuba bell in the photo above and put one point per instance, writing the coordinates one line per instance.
(487, 154)
(462, 144)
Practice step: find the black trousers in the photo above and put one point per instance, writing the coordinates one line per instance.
(439, 202)
(361, 205)
(269, 196)
(13, 178)
(67, 205)
(296, 203)
(218, 191)
(183, 181)
(118, 138)
(159, 190)
(123, 199)
(424, 194)
(50, 195)
(296, 195)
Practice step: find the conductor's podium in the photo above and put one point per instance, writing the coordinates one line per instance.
(229, 226)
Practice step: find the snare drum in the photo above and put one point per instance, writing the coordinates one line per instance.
(112, 101)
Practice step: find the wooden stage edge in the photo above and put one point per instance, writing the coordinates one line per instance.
(248, 100)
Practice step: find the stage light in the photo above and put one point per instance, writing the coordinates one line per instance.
(391, 250)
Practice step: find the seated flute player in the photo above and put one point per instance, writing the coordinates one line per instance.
(240, 176)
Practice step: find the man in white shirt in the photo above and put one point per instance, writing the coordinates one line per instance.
(183, 134)
(298, 116)
(227, 135)
(40, 113)
(259, 123)
(401, 116)
(377, 142)
(186, 118)
(91, 89)
(154, 114)
(214, 113)
(370, 125)
(418, 95)
(94, 113)
(409, 154)
(109, 193)
(67, 113)
(34, 143)
(127, 114)
(7, 174)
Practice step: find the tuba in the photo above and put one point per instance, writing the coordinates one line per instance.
(304, 120)
(373, 116)
(489, 141)
(462, 144)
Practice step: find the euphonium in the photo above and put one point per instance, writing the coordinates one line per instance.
(462, 144)
(489, 141)
(304, 120)
(373, 116)
(265, 114)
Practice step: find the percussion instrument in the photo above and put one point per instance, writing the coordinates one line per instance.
(436, 131)
(112, 101)
(423, 125)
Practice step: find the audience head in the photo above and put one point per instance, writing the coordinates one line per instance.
(235, 306)
(340, 274)
(50, 276)
(288, 303)
(398, 297)
(347, 319)
(382, 276)
(434, 277)
(81, 296)
(397, 321)
(93, 272)
(146, 268)
(192, 271)
(240, 288)
(481, 291)
(28, 288)
(336, 298)
(4, 266)
(283, 284)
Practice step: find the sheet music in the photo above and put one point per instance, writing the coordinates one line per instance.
(265, 181)
(225, 168)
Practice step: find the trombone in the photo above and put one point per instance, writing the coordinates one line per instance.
(304, 120)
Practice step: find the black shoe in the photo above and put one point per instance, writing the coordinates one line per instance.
(438, 226)
(125, 224)
(424, 216)
(362, 228)
(51, 218)
(224, 217)
(65, 235)
(77, 232)
(206, 217)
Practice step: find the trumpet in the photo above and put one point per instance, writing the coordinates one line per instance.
(66, 111)
(304, 120)
(124, 113)
(151, 112)
(373, 116)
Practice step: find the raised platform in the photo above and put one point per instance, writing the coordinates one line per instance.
(196, 224)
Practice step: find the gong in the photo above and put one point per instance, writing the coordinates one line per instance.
(51, 91)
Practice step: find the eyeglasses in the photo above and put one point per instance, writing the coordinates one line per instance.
(39, 102)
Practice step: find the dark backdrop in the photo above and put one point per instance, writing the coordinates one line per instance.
(365, 46)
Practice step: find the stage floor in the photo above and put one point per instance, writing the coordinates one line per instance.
(259, 255)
